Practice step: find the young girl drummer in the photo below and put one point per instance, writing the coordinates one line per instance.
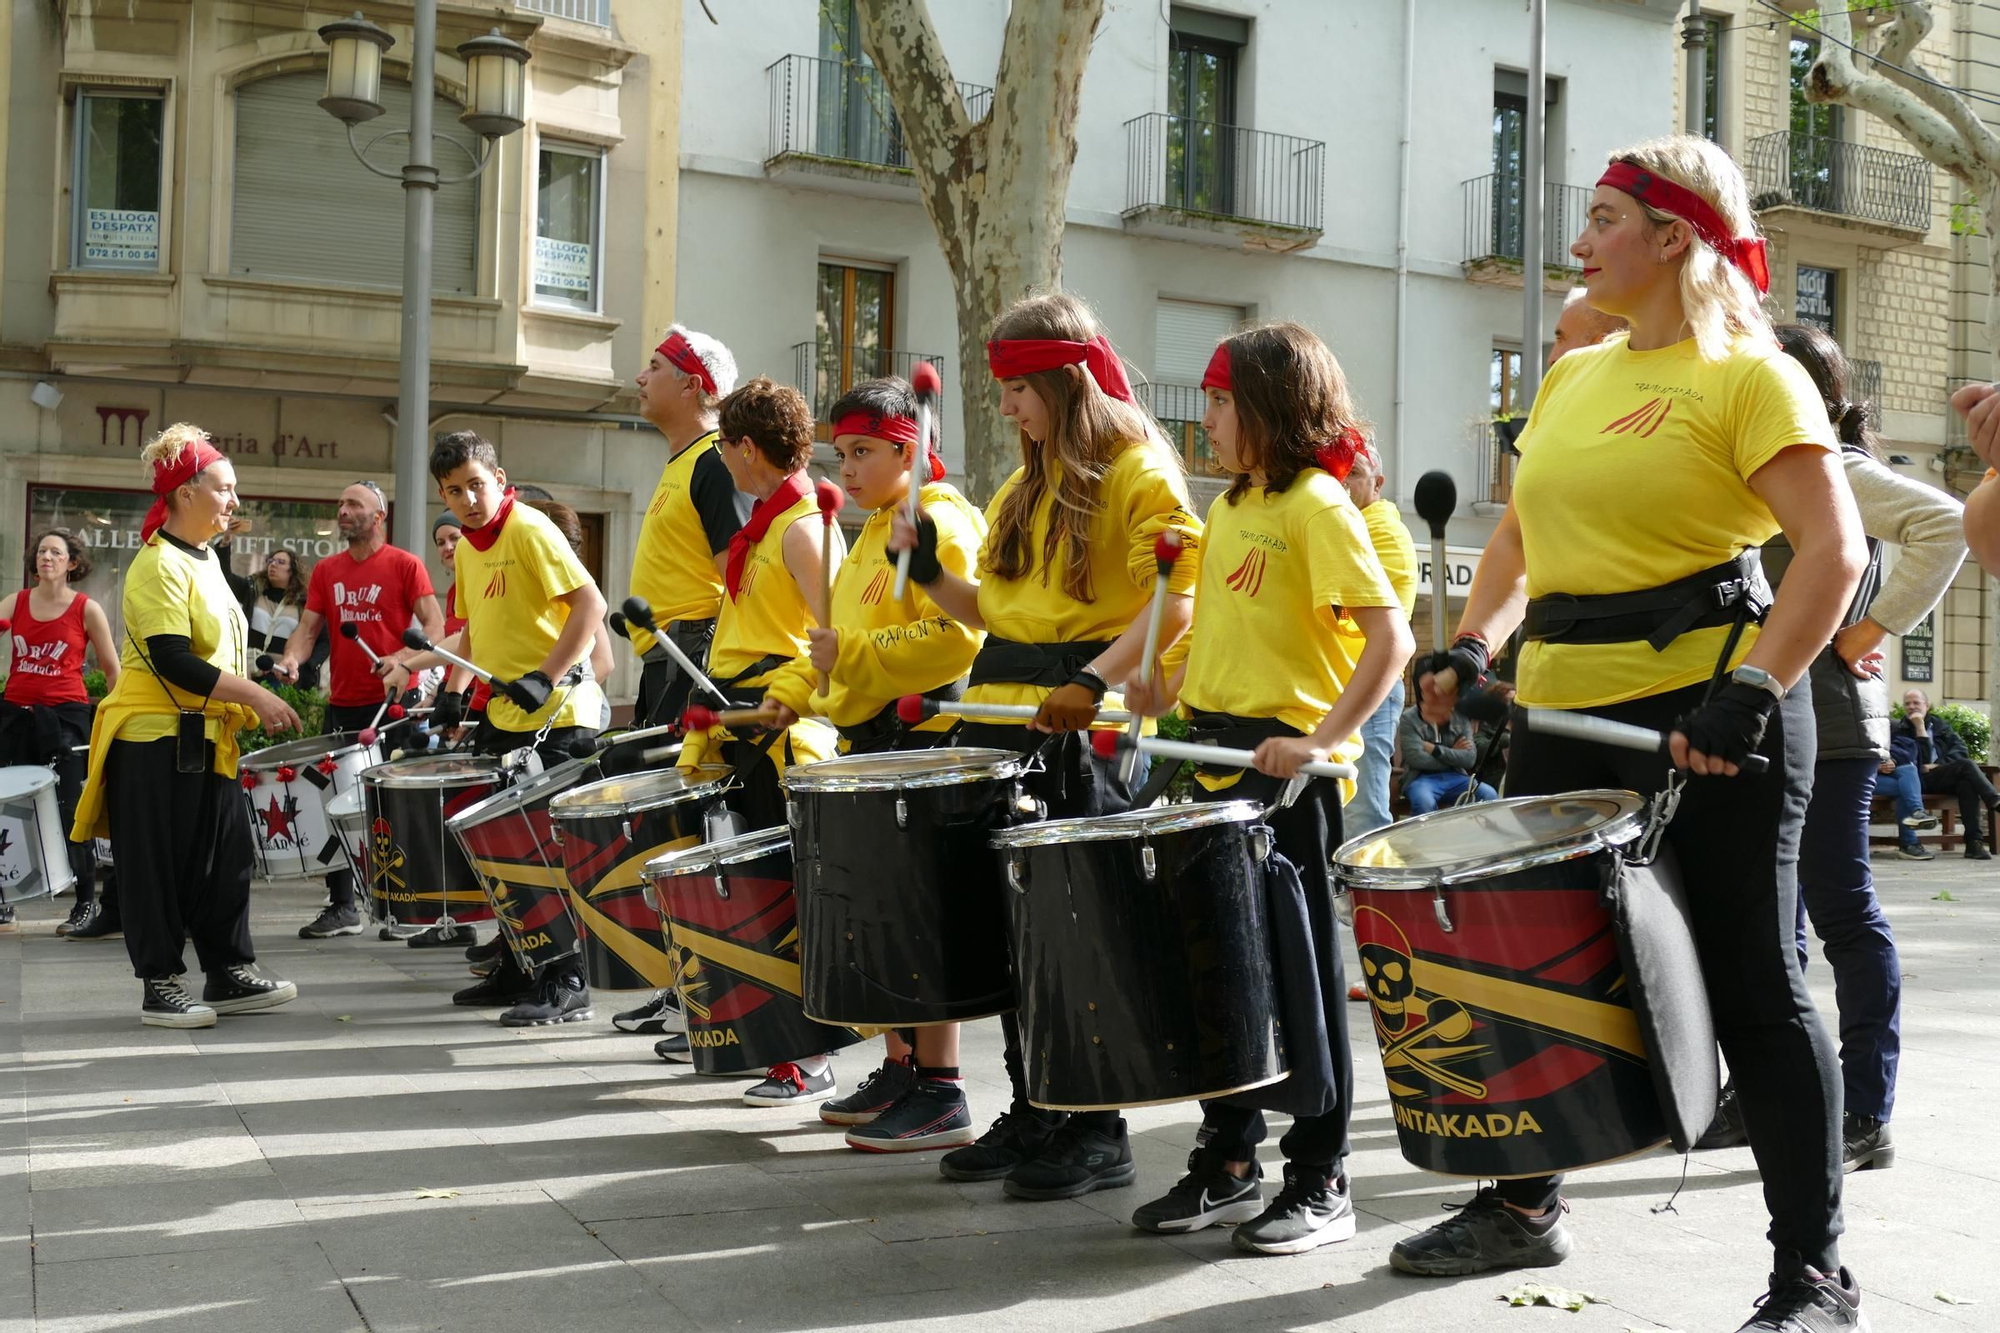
(1288, 567)
(884, 647)
(1066, 576)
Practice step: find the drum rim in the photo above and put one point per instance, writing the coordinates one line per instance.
(570, 804)
(743, 847)
(295, 753)
(1615, 832)
(44, 777)
(480, 768)
(1003, 766)
(1127, 825)
(513, 796)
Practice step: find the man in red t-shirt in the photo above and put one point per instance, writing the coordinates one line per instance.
(380, 589)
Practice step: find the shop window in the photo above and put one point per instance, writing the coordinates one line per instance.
(117, 181)
(568, 234)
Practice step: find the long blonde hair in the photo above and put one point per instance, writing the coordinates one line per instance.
(1720, 303)
(1088, 430)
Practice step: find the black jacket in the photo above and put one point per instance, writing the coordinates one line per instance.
(1944, 744)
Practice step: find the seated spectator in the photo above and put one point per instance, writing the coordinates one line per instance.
(1905, 783)
(1435, 743)
(1945, 768)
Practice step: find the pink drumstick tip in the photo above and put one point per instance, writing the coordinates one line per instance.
(1104, 744)
(1167, 547)
(925, 380)
(910, 709)
(831, 499)
(697, 718)
(368, 735)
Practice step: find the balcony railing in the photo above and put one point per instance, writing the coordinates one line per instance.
(1224, 171)
(1864, 385)
(839, 111)
(580, 11)
(1847, 179)
(1493, 220)
(1179, 409)
(824, 371)
(1494, 442)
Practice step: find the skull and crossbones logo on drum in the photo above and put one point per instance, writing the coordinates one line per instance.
(387, 861)
(1419, 1033)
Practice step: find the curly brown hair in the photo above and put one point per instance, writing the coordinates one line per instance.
(774, 417)
(79, 555)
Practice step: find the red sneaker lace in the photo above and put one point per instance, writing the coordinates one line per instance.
(787, 1073)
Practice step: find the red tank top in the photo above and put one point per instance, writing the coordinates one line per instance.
(48, 655)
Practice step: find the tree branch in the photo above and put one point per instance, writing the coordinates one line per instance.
(1031, 136)
(901, 41)
(1937, 122)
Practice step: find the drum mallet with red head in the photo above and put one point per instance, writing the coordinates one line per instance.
(1166, 550)
(929, 388)
(830, 498)
(1109, 743)
(1437, 499)
(1603, 731)
(696, 718)
(914, 708)
(639, 612)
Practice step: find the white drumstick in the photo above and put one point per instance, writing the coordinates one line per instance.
(915, 708)
(1215, 754)
(924, 380)
(638, 612)
(416, 638)
(352, 632)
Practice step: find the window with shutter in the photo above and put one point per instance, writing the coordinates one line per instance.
(304, 208)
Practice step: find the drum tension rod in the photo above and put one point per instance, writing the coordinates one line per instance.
(1437, 905)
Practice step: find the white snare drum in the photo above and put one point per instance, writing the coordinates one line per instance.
(347, 817)
(288, 787)
(34, 852)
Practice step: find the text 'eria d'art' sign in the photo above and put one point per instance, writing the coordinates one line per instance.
(125, 427)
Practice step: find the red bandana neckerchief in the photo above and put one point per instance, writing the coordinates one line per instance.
(1335, 457)
(1656, 192)
(168, 476)
(482, 539)
(1012, 358)
(790, 491)
(895, 430)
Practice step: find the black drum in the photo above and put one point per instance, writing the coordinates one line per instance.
(417, 875)
(902, 903)
(512, 847)
(730, 914)
(1143, 956)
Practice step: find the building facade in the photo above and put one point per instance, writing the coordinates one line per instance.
(189, 237)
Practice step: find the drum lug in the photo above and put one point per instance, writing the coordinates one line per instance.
(902, 813)
(793, 816)
(651, 899)
(1262, 840)
(1015, 875)
(721, 885)
(1147, 863)
(625, 827)
(1437, 905)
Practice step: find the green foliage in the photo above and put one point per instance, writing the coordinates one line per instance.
(311, 708)
(1971, 725)
(1965, 217)
(1174, 727)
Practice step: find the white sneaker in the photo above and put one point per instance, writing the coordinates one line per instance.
(656, 1017)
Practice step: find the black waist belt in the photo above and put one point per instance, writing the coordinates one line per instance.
(885, 725)
(1045, 665)
(1713, 598)
(750, 696)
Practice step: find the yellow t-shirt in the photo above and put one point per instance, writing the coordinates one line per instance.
(169, 591)
(769, 615)
(1271, 637)
(1635, 472)
(890, 648)
(507, 597)
(1394, 547)
(673, 567)
(1142, 495)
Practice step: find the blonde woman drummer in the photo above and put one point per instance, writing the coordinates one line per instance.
(1650, 464)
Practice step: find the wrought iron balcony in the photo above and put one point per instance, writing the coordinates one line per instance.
(823, 371)
(1494, 443)
(1844, 179)
(1864, 385)
(580, 11)
(1226, 173)
(1179, 409)
(838, 111)
(1494, 222)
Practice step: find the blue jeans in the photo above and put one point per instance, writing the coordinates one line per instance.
(1907, 787)
(1427, 791)
(1369, 810)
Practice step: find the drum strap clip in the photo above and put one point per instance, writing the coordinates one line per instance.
(1437, 905)
(1664, 806)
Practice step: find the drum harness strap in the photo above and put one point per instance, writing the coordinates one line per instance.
(750, 696)
(885, 726)
(691, 637)
(1043, 665)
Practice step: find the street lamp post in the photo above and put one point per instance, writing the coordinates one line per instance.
(494, 108)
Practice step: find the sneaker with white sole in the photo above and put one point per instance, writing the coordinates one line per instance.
(1482, 1235)
(1916, 851)
(167, 1003)
(332, 922)
(1208, 1195)
(238, 989)
(674, 1049)
(656, 1017)
(1312, 1210)
(1802, 1299)
(1922, 820)
(787, 1085)
(877, 1093)
(931, 1114)
(559, 997)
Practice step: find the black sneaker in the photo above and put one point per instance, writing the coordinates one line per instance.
(931, 1114)
(1010, 1140)
(332, 921)
(79, 915)
(1922, 821)
(1206, 1196)
(238, 989)
(1727, 1129)
(1916, 851)
(1976, 851)
(1865, 1144)
(658, 1015)
(486, 951)
(674, 1049)
(877, 1093)
(1076, 1160)
(507, 985)
(7, 926)
(1312, 1210)
(102, 924)
(786, 1084)
(166, 1003)
(1805, 1300)
(1481, 1235)
(442, 937)
(559, 997)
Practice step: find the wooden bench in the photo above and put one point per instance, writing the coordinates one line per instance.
(1944, 805)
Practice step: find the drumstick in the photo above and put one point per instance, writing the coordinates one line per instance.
(414, 637)
(831, 498)
(914, 708)
(1107, 743)
(1436, 499)
(1166, 550)
(923, 379)
(1603, 731)
(352, 633)
(639, 612)
(697, 718)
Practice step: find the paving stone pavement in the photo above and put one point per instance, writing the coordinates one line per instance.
(266, 1175)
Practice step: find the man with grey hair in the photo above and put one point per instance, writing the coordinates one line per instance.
(1581, 325)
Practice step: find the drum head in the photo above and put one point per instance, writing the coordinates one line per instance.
(710, 855)
(24, 780)
(524, 795)
(1153, 821)
(434, 771)
(347, 805)
(900, 770)
(300, 753)
(638, 791)
(1492, 837)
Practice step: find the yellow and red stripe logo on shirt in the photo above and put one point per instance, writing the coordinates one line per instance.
(497, 585)
(1249, 576)
(872, 594)
(1642, 422)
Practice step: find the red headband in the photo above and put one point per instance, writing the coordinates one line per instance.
(896, 430)
(168, 474)
(1656, 192)
(682, 357)
(1012, 358)
(1217, 376)
(1336, 457)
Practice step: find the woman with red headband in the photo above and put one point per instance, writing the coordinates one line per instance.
(882, 647)
(1652, 467)
(163, 750)
(1290, 569)
(1066, 575)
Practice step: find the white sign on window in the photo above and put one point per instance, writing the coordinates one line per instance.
(121, 236)
(562, 265)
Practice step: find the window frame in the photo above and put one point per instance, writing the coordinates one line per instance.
(844, 370)
(596, 156)
(79, 182)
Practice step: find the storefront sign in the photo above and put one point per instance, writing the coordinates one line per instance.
(125, 428)
(562, 265)
(1920, 650)
(1460, 562)
(121, 236)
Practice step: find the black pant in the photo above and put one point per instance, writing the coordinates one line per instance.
(48, 734)
(1737, 840)
(1306, 832)
(665, 689)
(1964, 779)
(554, 748)
(185, 858)
(340, 717)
